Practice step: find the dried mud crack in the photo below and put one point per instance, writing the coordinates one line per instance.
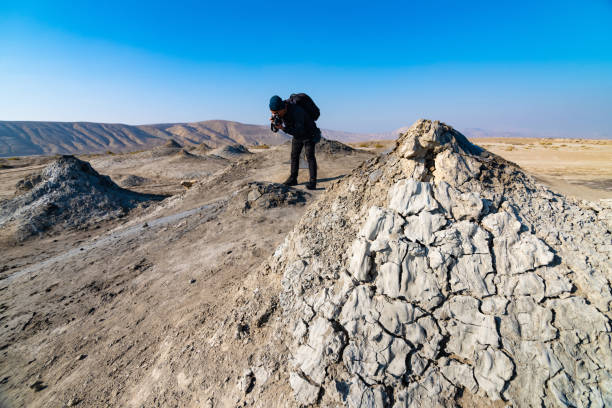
(442, 274)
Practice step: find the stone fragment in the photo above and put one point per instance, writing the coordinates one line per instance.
(374, 355)
(364, 396)
(514, 254)
(360, 261)
(432, 391)
(526, 284)
(454, 169)
(421, 227)
(462, 238)
(393, 251)
(38, 385)
(425, 335)
(300, 330)
(494, 305)
(469, 275)
(418, 283)
(563, 389)
(502, 223)
(469, 329)
(358, 309)
(381, 224)
(442, 193)
(293, 277)
(574, 313)
(492, 369)
(592, 282)
(305, 392)
(325, 303)
(246, 381)
(408, 197)
(468, 206)
(395, 315)
(322, 349)
(437, 261)
(458, 373)
(527, 321)
(389, 279)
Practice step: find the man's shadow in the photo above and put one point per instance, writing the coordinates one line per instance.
(323, 180)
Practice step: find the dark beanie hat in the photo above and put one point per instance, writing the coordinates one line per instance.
(276, 103)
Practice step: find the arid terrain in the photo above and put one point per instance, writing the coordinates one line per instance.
(126, 312)
(170, 304)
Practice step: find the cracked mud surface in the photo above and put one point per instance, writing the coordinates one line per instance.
(440, 272)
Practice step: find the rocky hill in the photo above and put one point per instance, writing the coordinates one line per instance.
(441, 274)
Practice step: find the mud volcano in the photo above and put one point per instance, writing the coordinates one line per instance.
(68, 192)
(234, 151)
(333, 147)
(441, 274)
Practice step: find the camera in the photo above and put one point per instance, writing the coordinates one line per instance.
(276, 123)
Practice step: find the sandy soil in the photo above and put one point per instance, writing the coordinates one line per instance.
(575, 167)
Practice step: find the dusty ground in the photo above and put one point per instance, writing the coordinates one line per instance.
(148, 310)
(574, 167)
(129, 313)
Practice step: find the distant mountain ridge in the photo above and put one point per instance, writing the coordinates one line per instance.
(21, 138)
(24, 138)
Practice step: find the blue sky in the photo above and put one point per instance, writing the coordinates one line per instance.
(544, 68)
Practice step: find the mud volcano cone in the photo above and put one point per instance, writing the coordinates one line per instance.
(67, 192)
(441, 274)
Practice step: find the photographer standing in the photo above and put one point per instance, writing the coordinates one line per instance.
(296, 116)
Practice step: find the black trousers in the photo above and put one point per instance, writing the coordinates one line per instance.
(296, 149)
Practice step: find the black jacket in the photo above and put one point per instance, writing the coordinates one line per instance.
(298, 123)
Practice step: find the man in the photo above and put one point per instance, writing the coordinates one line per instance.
(298, 123)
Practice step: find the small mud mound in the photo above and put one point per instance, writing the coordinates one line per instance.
(261, 196)
(132, 180)
(171, 147)
(69, 192)
(333, 147)
(234, 151)
(441, 273)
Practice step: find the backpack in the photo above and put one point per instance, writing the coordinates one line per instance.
(306, 103)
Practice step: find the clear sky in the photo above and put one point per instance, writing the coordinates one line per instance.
(541, 67)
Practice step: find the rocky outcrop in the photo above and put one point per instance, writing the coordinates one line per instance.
(333, 147)
(68, 192)
(263, 195)
(442, 270)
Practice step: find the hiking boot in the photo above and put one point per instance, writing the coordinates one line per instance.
(291, 181)
(312, 185)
